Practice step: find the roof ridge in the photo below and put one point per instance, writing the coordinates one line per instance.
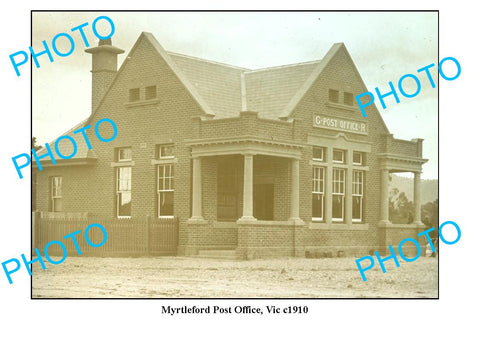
(207, 60)
(284, 66)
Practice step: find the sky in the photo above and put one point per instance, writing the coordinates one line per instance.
(384, 46)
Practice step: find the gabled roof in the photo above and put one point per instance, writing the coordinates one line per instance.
(222, 90)
(218, 84)
(66, 148)
(269, 90)
(222, 86)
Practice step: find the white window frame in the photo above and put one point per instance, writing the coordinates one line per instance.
(335, 180)
(159, 150)
(119, 152)
(323, 153)
(118, 191)
(343, 156)
(166, 180)
(54, 192)
(361, 158)
(357, 191)
(319, 189)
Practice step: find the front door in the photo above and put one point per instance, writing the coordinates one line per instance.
(263, 201)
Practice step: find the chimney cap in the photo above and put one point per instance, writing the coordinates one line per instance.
(105, 45)
(103, 42)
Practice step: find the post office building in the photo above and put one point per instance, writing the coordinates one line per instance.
(272, 162)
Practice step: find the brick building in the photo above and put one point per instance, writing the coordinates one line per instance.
(270, 162)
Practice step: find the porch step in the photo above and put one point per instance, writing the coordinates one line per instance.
(217, 254)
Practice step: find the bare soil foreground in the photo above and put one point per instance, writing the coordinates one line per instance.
(182, 277)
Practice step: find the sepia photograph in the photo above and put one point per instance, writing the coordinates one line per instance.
(235, 154)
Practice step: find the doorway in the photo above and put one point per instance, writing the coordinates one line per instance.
(263, 201)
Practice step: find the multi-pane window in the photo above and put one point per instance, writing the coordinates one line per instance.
(134, 95)
(165, 189)
(124, 191)
(318, 194)
(124, 154)
(151, 92)
(56, 200)
(357, 158)
(338, 195)
(348, 98)
(357, 196)
(318, 153)
(338, 180)
(338, 156)
(333, 96)
(165, 151)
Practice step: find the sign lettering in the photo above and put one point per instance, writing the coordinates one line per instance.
(331, 123)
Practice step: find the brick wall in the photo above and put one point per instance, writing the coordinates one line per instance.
(400, 147)
(246, 124)
(395, 234)
(100, 83)
(195, 237)
(76, 187)
(261, 241)
(328, 243)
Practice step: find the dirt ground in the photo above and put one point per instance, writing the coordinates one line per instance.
(185, 277)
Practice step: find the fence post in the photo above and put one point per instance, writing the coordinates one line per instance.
(176, 231)
(85, 220)
(147, 234)
(36, 218)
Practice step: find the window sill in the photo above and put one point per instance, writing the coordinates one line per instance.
(142, 103)
(341, 106)
(338, 226)
(120, 164)
(340, 165)
(164, 161)
(361, 167)
(317, 162)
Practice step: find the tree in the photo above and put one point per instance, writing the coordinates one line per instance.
(400, 208)
(430, 214)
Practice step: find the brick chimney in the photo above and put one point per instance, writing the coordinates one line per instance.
(104, 68)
